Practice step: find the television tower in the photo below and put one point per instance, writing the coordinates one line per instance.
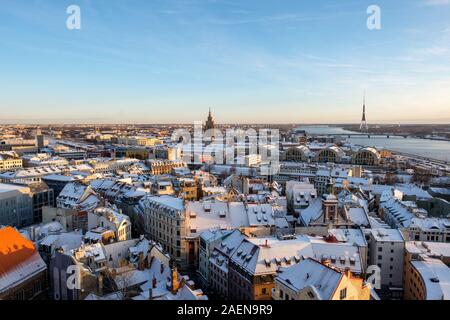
(363, 121)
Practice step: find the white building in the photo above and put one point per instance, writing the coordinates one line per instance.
(386, 250)
(109, 220)
(299, 195)
(429, 229)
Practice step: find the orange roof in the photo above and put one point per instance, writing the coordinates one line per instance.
(14, 249)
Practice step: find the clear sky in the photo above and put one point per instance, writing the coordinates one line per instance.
(279, 61)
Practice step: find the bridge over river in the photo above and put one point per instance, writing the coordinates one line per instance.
(368, 135)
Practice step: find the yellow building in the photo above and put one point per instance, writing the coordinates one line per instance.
(312, 280)
(384, 153)
(10, 161)
(427, 275)
(188, 189)
(159, 167)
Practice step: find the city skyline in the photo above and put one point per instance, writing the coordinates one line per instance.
(252, 62)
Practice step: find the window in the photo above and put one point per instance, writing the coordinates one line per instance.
(380, 249)
(264, 291)
(343, 294)
(281, 294)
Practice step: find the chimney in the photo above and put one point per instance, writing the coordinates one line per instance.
(348, 273)
(150, 294)
(149, 260)
(174, 280)
(141, 264)
(100, 285)
(326, 262)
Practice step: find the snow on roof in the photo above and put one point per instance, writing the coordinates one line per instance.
(388, 194)
(440, 191)
(358, 216)
(265, 255)
(312, 212)
(66, 241)
(377, 223)
(431, 224)
(342, 255)
(230, 242)
(215, 234)
(72, 192)
(413, 190)
(432, 249)
(238, 214)
(95, 251)
(142, 246)
(436, 276)
(323, 172)
(311, 273)
(402, 212)
(12, 187)
(155, 278)
(260, 215)
(112, 215)
(111, 296)
(214, 190)
(387, 235)
(89, 203)
(281, 223)
(43, 171)
(102, 184)
(371, 150)
(351, 236)
(165, 200)
(95, 235)
(206, 215)
(223, 250)
(60, 177)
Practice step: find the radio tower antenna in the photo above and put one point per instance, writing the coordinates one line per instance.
(363, 121)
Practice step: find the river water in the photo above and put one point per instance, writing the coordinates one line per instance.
(422, 147)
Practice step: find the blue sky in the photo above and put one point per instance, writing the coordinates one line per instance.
(168, 61)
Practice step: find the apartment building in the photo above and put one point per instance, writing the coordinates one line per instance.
(386, 250)
(16, 205)
(10, 161)
(426, 271)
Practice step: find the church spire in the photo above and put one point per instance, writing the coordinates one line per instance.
(209, 124)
